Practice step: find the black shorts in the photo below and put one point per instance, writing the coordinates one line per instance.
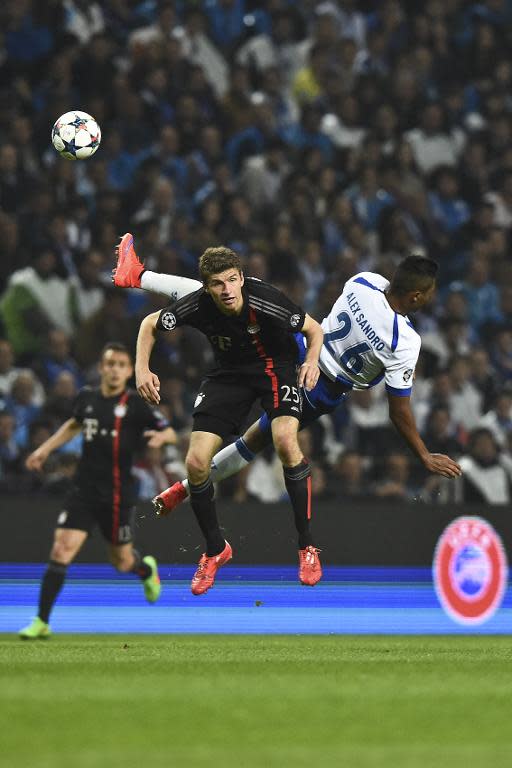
(225, 399)
(82, 514)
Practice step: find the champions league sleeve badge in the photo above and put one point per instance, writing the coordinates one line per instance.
(168, 320)
(470, 570)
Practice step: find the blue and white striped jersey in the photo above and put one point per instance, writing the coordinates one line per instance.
(366, 341)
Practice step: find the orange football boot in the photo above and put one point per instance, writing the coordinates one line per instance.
(169, 499)
(310, 569)
(128, 269)
(204, 577)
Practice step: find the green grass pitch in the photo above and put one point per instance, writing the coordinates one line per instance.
(107, 701)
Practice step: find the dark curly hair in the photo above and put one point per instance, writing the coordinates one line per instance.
(216, 260)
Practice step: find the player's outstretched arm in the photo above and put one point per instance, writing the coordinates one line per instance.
(401, 415)
(66, 432)
(148, 383)
(309, 371)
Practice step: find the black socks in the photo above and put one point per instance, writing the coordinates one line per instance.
(298, 484)
(51, 585)
(201, 499)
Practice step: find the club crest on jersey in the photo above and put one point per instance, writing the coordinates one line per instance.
(294, 320)
(199, 399)
(168, 320)
(253, 328)
(120, 411)
(470, 570)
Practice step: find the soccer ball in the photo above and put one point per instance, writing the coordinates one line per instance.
(76, 135)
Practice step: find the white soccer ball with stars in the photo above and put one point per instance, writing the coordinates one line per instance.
(76, 135)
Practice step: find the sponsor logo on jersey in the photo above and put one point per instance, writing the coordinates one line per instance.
(470, 570)
(168, 321)
(120, 411)
(407, 374)
(294, 320)
(253, 328)
(62, 517)
(199, 399)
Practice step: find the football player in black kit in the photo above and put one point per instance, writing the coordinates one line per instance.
(114, 422)
(250, 325)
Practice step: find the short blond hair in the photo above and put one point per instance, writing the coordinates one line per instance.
(216, 260)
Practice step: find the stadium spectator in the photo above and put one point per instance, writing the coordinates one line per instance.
(498, 419)
(465, 399)
(35, 300)
(432, 143)
(10, 451)
(396, 482)
(56, 358)
(441, 433)
(9, 373)
(349, 473)
(487, 473)
(22, 404)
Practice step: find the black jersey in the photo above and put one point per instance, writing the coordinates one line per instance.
(112, 430)
(263, 330)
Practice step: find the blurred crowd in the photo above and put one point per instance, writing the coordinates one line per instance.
(317, 138)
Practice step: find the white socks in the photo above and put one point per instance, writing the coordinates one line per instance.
(173, 286)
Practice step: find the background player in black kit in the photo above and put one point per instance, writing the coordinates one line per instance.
(250, 325)
(114, 422)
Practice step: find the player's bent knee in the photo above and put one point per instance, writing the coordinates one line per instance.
(287, 448)
(198, 468)
(285, 442)
(61, 553)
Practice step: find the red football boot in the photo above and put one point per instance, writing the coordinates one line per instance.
(128, 269)
(169, 499)
(204, 577)
(310, 569)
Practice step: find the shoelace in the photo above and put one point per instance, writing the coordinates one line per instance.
(201, 568)
(311, 554)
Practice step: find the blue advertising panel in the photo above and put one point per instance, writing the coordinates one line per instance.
(396, 570)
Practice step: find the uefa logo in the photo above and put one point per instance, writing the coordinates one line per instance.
(470, 570)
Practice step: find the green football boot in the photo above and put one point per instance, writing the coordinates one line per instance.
(152, 586)
(36, 630)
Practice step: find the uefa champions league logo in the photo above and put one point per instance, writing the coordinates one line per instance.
(470, 570)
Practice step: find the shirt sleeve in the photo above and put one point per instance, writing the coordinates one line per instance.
(79, 406)
(399, 369)
(182, 312)
(151, 418)
(275, 304)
